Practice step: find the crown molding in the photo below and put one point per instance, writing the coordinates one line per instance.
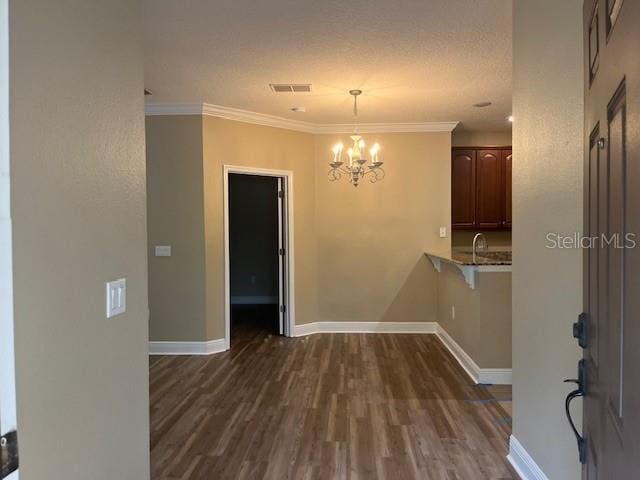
(246, 116)
(386, 127)
(158, 109)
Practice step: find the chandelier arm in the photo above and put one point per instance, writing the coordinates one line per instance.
(334, 175)
(378, 175)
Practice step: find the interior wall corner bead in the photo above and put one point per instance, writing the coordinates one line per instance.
(469, 274)
(436, 262)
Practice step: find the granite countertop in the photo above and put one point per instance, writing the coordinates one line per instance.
(465, 257)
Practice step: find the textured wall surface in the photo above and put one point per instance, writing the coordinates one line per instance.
(359, 253)
(372, 239)
(241, 144)
(175, 189)
(547, 197)
(482, 323)
(464, 138)
(79, 220)
(416, 60)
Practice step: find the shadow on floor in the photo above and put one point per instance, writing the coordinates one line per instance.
(253, 322)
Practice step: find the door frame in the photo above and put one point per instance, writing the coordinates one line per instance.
(8, 416)
(289, 276)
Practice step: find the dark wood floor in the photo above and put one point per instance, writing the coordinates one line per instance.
(327, 406)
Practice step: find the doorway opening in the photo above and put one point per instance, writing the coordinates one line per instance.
(258, 273)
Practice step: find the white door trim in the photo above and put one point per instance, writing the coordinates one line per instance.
(289, 244)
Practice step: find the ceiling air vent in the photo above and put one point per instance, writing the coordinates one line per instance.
(290, 87)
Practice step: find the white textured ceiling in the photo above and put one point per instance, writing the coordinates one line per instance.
(416, 60)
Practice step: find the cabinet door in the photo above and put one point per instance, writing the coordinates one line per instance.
(463, 186)
(489, 189)
(506, 165)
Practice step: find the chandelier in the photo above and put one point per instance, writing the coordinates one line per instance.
(356, 169)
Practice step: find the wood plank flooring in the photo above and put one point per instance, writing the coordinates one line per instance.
(327, 406)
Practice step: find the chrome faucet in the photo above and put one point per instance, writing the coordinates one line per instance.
(479, 240)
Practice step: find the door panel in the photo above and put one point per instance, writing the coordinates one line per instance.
(613, 10)
(611, 415)
(489, 202)
(592, 229)
(617, 207)
(594, 43)
(463, 184)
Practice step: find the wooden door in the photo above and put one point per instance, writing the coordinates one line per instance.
(611, 419)
(489, 191)
(506, 166)
(463, 185)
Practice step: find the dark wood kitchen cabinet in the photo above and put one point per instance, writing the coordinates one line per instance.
(506, 163)
(481, 188)
(463, 186)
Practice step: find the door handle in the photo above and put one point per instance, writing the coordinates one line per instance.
(581, 391)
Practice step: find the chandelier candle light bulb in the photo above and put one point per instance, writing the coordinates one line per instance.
(337, 153)
(374, 154)
(356, 170)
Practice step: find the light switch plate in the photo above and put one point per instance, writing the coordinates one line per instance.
(443, 232)
(116, 297)
(163, 250)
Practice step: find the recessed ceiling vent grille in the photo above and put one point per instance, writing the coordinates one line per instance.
(290, 87)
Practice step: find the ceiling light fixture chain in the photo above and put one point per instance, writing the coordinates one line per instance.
(355, 94)
(356, 169)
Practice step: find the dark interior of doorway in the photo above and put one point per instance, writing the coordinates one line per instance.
(253, 256)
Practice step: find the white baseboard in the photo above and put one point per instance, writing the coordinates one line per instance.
(496, 376)
(253, 300)
(365, 327)
(522, 462)
(187, 348)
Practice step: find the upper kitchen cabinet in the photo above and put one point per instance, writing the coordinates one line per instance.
(463, 186)
(506, 162)
(481, 188)
(489, 194)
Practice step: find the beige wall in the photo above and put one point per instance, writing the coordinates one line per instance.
(464, 138)
(372, 239)
(79, 220)
(547, 197)
(359, 253)
(175, 189)
(482, 323)
(241, 144)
